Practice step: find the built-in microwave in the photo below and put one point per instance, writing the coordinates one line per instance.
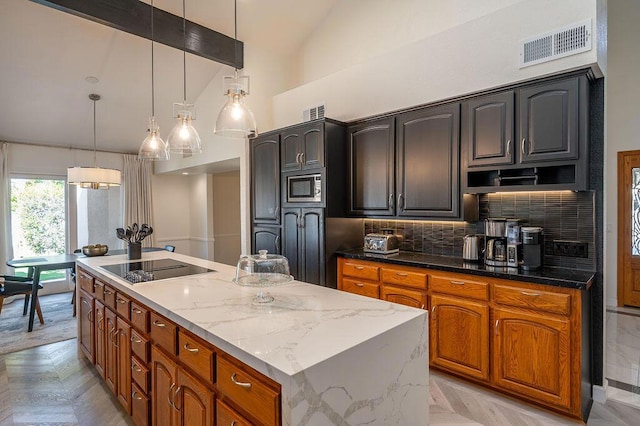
(304, 188)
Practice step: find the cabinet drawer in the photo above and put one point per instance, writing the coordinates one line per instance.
(109, 297)
(459, 286)
(98, 289)
(404, 296)
(140, 317)
(140, 345)
(140, 374)
(226, 415)
(248, 390)
(556, 303)
(361, 270)
(85, 281)
(123, 305)
(361, 287)
(139, 406)
(196, 354)
(163, 332)
(404, 277)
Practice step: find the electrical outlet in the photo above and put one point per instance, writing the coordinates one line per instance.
(570, 248)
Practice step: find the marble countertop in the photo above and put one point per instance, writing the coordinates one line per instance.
(559, 277)
(304, 326)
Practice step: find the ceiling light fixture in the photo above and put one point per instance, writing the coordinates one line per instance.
(184, 138)
(153, 147)
(236, 120)
(93, 177)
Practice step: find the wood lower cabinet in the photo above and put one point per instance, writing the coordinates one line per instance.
(164, 374)
(100, 338)
(111, 351)
(226, 415)
(193, 400)
(123, 363)
(85, 324)
(523, 339)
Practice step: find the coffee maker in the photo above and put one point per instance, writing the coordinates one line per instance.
(514, 244)
(532, 248)
(495, 253)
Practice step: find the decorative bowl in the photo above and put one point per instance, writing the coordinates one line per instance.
(95, 250)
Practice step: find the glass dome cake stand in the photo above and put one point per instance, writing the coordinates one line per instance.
(260, 271)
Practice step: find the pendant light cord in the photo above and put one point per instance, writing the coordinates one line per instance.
(184, 52)
(95, 146)
(235, 36)
(152, 82)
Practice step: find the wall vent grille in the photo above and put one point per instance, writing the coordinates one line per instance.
(569, 40)
(313, 113)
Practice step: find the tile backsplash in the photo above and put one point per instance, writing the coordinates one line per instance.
(564, 215)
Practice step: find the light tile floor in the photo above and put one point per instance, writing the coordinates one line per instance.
(622, 358)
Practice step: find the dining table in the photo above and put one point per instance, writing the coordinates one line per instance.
(35, 266)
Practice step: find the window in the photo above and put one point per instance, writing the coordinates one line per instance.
(38, 220)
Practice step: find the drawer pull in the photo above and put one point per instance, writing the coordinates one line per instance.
(136, 368)
(115, 339)
(241, 384)
(137, 311)
(497, 330)
(121, 301)
(193, 350)
(89, 317)
(359, 285)
(457, 282)
(524, 293)
(134, 339)
(358, 267)
(135, 395)
(158, 323)
(402, 274)
(107, 291)
(100, 324)
(233, 423)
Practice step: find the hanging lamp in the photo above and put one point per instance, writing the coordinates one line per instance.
(93, 177)
(184, 138)
(236, 120)
(153, 147)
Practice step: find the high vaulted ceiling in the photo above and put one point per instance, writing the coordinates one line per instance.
(46, 56)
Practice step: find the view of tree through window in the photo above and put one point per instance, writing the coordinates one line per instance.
(38, 223)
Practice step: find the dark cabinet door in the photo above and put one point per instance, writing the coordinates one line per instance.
(290, 246)
(302, 147)
(549, 120)
(312, 246)
(265, 179)
(371, 168)
(491, 130)
(427, 162)
(266, 238)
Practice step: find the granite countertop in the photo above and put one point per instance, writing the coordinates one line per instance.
(560, 277)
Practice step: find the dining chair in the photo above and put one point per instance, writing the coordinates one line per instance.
(13, 286)
(170, 248)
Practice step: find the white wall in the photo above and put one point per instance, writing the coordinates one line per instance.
(622, 124)
(482, 53)
(171, 206)
(226, 217)
(201, 217)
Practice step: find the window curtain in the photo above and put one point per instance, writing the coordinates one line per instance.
(138, 201)
(6, 245)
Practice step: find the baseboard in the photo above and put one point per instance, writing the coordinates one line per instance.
(599, 393)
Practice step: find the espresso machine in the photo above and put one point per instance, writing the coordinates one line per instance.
(495, 252)
(532, 248)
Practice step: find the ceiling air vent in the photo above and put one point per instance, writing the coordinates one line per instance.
(313, 113)
(569, 40)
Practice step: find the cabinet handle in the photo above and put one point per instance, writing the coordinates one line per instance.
(169, 396)
(135, 368)
(522, 146)
(358, 267)
(301, 221)
(192, 350)
(457, 282)
(137, 311)
(497, 329)
(402, 274)
(400, 198)
(278, 243)
(302, 158)
(175, 395)
(359, 285)
(433, 310)
(298, 158)
(133, 395)
(107, 291)
(100, 324)
(277, 212)
(530, 294)
(89, 317)
(422, 307)
(390, 201)
(121, 301)
(509, 147)
(158, 323)
(134, 339)
(241, 384)
(115, 339)
(233, 423)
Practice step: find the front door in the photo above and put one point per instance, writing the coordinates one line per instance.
(629, 228)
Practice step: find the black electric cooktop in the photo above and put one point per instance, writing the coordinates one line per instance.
(151, 270)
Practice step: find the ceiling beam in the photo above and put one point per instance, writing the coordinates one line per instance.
(134, 17)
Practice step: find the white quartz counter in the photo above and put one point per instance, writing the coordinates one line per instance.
(340, 358)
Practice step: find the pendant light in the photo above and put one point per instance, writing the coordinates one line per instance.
(184, 138)
(153, 147)
(236, 120)
(93, 177)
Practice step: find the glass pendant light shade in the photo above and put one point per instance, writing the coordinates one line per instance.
(184, 138)
(153, 147)
(236, 120)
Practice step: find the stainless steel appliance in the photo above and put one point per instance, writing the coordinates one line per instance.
(472, 248)
(304, 188)
(532, 248)
(495, 253)
(385, 243)
(158, 269)
(514, 243)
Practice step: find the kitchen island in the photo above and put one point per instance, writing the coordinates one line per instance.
(334, 357)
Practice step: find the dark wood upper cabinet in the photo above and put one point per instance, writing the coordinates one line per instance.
(371, 168)
(265, 238)
(490, 130)
(549, 121)
(265, 179)
(428, 162)
(303, 147)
